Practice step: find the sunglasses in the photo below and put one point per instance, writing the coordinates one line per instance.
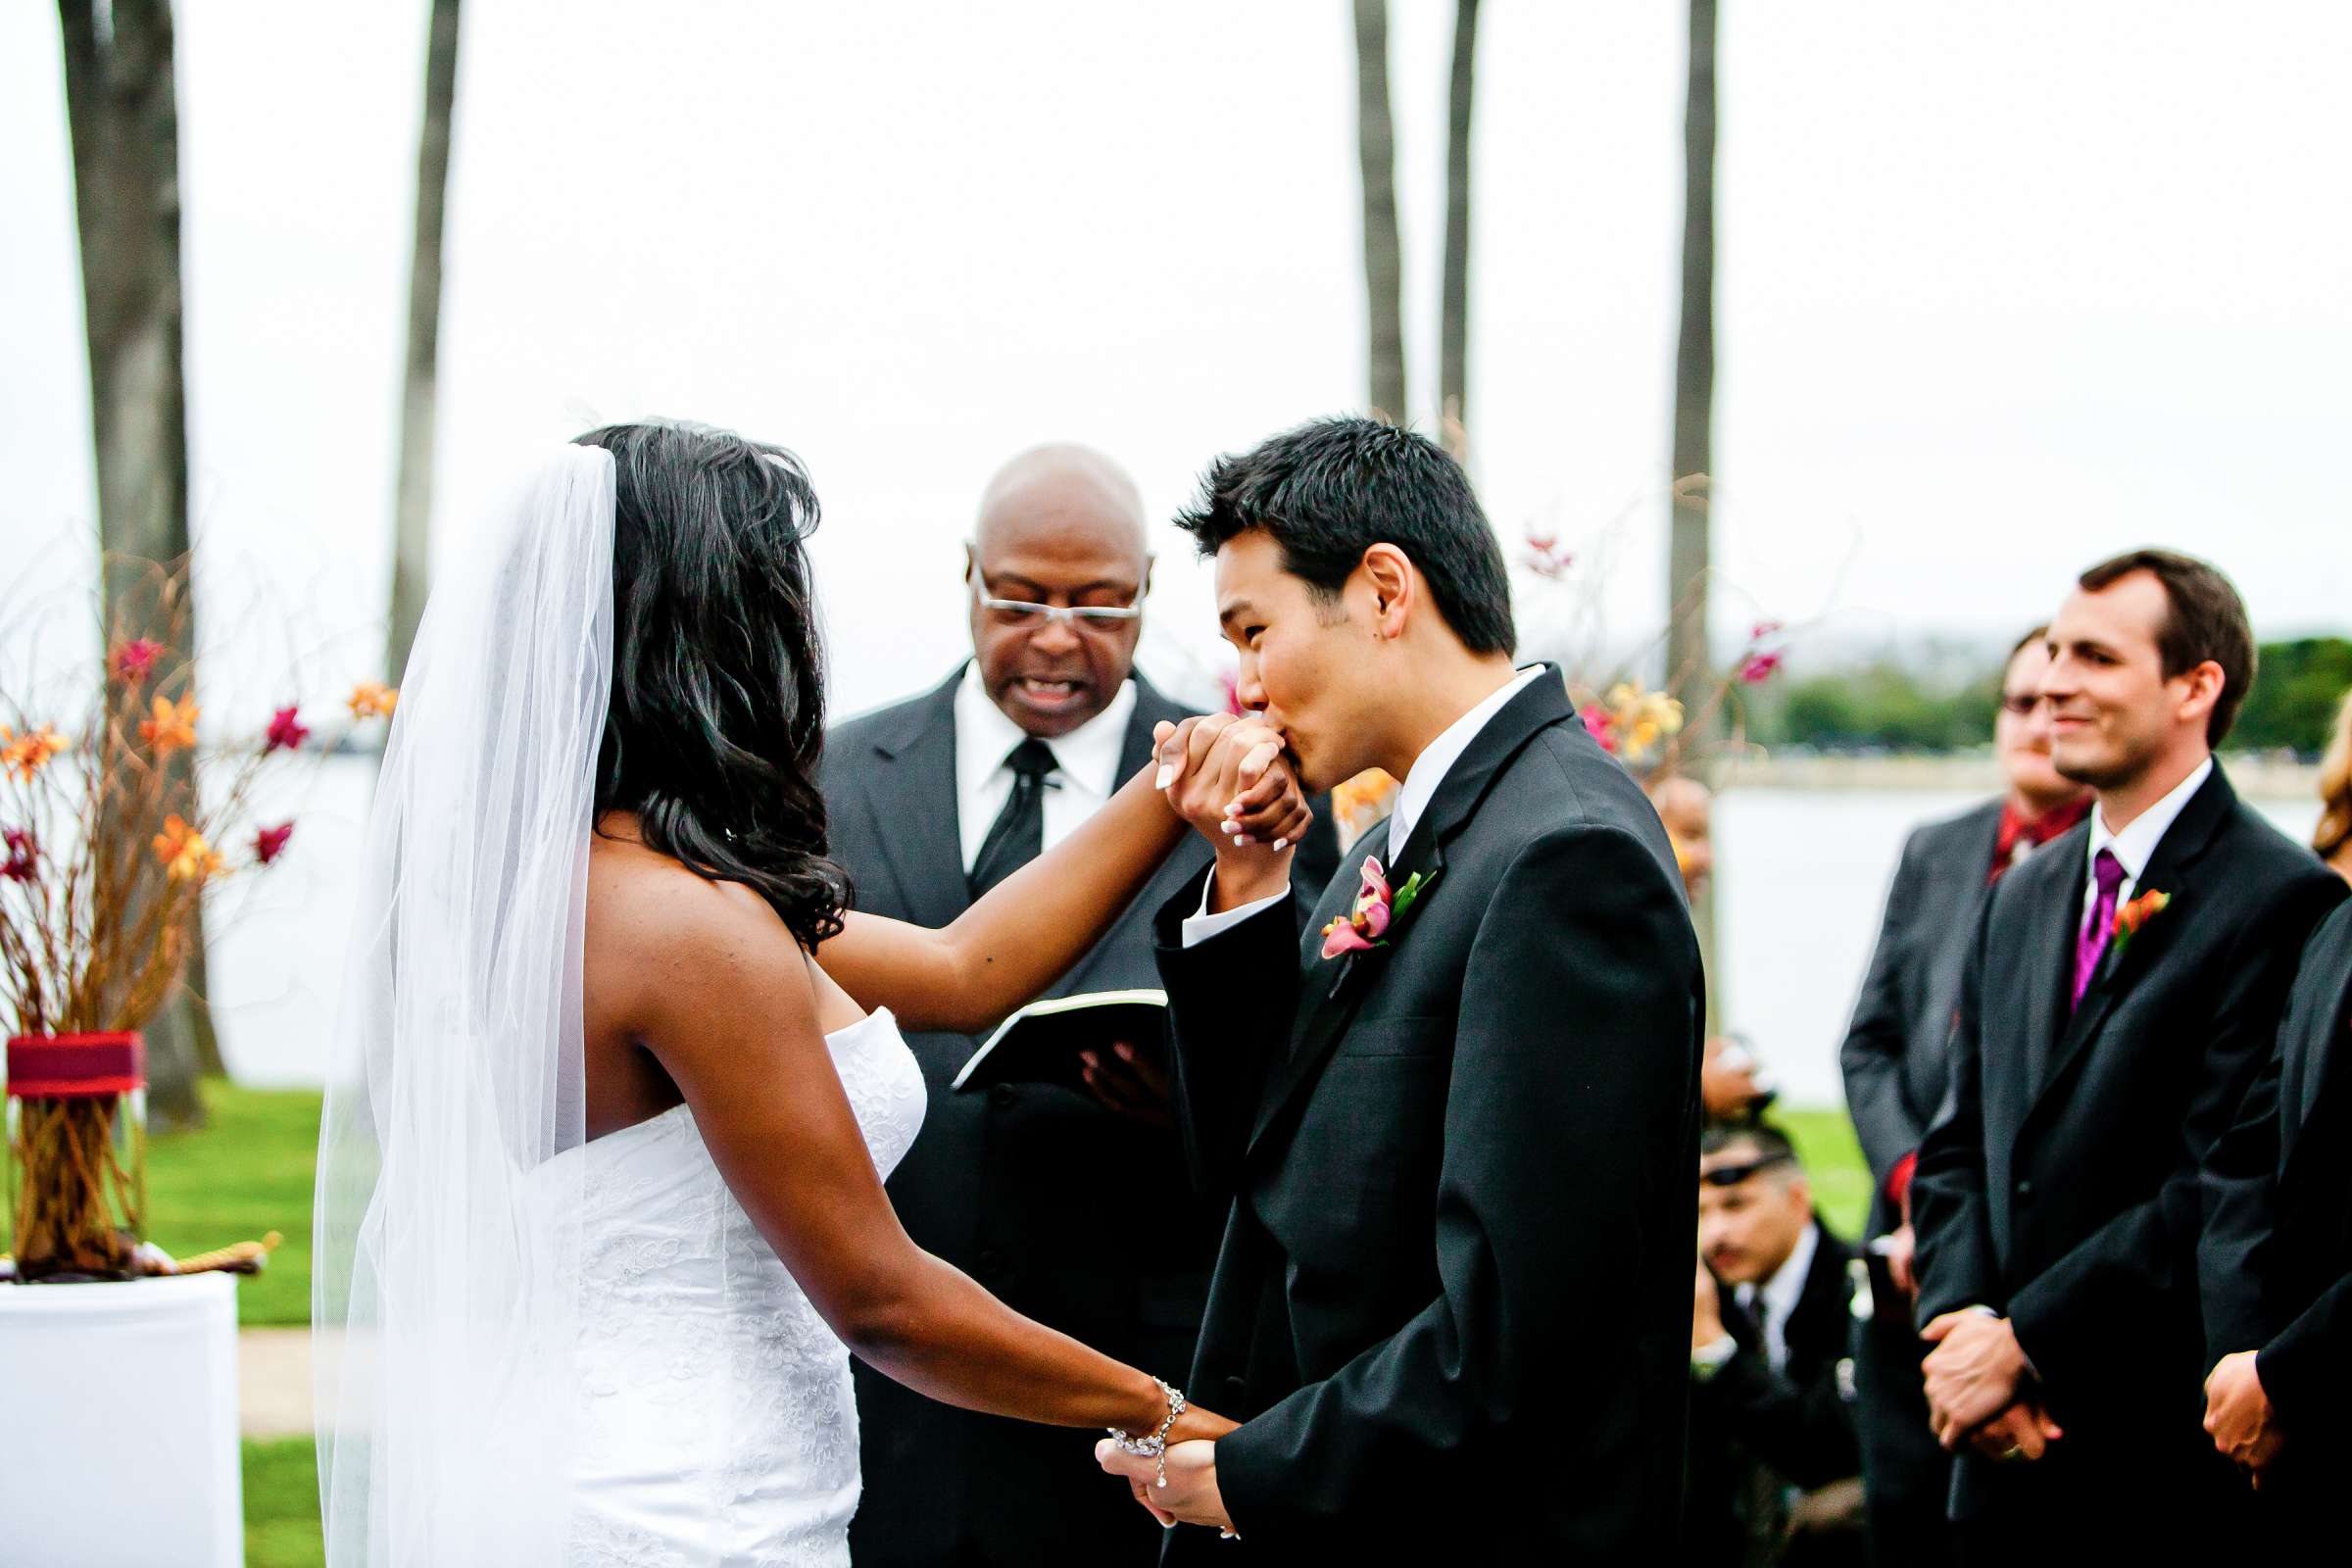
(1733, 1175)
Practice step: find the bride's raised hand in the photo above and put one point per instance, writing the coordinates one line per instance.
(1229, 776)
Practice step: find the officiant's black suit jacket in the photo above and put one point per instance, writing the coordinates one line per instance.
(1007, 1184)
(2277, 1258)
(1452, 1306)
(2062, 1189)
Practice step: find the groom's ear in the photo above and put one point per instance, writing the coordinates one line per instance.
(1389, 571)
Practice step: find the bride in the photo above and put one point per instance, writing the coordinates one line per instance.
(618, 1077)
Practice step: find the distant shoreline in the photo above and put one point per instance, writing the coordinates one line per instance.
(2256, 777)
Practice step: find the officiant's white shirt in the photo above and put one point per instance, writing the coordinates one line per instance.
(1413, 796)
(1086, 763)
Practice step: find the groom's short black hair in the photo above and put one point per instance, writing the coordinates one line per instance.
(1328, 491)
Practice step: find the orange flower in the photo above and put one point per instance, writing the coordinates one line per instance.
(28, 754)
(2138, 913)
(186, 857)
(373, 700)
(173, 727)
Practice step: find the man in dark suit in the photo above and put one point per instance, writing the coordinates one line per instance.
(1773, 1453)
(2122, 992)
(2277, 1257)
(1450, 1308)
(1897, 1059)
(933, 800)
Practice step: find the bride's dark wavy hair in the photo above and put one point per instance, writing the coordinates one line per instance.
(717, 724)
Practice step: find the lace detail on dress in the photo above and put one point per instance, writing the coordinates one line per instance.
(719, 1429)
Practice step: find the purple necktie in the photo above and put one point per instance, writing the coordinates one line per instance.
(2099, 924)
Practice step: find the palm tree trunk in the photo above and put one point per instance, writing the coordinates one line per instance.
(411, 538)
(1687, 661)
(1453, 353)
(1689, 668)
(122, 117)
(1384, 260)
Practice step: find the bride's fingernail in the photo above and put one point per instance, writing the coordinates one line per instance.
(1282, 844)
(1165, 777)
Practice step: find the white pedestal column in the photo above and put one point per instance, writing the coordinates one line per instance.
(118, 1442)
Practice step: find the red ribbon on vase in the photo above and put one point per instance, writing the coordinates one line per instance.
(76, 1066)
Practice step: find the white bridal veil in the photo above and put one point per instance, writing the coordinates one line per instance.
(446, 1292)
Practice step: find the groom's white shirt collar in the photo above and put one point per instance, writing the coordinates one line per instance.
(1437, 758)
(1413, 796)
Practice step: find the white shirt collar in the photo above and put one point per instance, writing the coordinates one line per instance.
(2135, 844)
(1780, 1292)
(1087, 757)
(1437, 758)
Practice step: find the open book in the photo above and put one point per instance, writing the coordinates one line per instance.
(1040, 1044)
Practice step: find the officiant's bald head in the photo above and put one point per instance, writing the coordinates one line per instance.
(1061, 525)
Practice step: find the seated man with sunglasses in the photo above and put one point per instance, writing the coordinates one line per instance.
(932, 801)
(1773, 1456)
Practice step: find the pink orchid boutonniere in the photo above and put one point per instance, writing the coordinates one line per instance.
(1376, 909)
(2136, 913)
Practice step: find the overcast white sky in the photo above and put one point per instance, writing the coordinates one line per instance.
(2003, 287)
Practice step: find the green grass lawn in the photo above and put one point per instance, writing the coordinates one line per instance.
(1824, 1141)
(281, 1506)
(246, 1172)
(249, 1170)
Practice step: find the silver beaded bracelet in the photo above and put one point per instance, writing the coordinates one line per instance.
(1154, 1446)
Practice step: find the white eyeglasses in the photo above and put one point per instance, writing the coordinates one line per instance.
(1027, 615)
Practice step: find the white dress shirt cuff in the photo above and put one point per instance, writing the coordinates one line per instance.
(1199, 928)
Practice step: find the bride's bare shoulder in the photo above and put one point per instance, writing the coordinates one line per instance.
(657, 928)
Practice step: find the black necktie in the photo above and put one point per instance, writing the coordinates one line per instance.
(1018, 834)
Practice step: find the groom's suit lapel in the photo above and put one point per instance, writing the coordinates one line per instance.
(1334, 987)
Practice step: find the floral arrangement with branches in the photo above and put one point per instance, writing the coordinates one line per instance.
(116, 821)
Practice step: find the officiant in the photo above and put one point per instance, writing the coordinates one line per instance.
(932, 801)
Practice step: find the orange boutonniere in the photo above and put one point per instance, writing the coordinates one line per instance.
(2136, 913)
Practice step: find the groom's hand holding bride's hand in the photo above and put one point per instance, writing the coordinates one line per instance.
(1224, 773)
(1190, 1495)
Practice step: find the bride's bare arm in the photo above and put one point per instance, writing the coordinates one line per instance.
(719, 993)
(1031, 927)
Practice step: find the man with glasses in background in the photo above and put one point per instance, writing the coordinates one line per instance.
(1896, 1059)
(1771, 1457)
(932, 801)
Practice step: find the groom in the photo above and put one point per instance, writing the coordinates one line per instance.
(1452, 1299)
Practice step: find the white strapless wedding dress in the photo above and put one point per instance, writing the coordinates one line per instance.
(718, 1429)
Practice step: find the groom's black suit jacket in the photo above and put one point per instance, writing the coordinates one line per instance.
(1452, 1306)
(1009, 1184)
(2061, 1186)
(2277, 1257)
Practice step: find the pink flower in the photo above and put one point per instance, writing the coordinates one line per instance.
(1600, 724)
(1545, 558)
(1231, 685)
(1366, 919)
(133, 660)
(271, 841)
(286, 731)
(22, 856)
(1758, 668)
